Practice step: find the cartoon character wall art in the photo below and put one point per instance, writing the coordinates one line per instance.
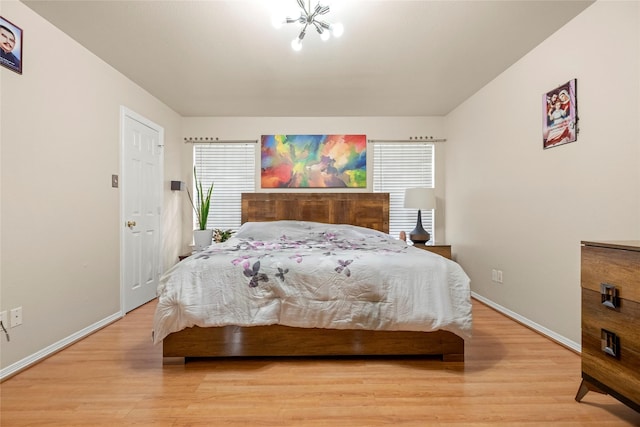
(559, 115)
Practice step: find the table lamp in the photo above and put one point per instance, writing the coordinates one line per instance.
(419, 198)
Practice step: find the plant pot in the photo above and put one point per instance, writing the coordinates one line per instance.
(202, 239)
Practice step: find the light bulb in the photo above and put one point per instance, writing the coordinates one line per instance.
(325, 35)
(296, 44)
(337, 29)
(277, 21)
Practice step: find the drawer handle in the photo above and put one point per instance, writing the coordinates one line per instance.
(610, 343)
(609, 295)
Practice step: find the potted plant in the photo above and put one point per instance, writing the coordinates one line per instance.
(220, 236)
(201, 236)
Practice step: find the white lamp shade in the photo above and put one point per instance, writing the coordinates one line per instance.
(420, 198)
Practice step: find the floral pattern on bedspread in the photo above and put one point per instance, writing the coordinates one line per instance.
(326, 243)
(314, 275)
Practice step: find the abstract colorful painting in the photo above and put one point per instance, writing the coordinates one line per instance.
(314, 161)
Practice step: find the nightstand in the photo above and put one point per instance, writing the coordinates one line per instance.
(444, 250)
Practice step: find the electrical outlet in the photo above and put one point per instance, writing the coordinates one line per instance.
(16, 317)
(494, 275)
(4, 316)
(499, 276)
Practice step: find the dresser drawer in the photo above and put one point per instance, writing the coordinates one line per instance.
(620, 372)
(615, 267)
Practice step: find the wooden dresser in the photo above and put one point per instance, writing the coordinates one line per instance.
(610, 278)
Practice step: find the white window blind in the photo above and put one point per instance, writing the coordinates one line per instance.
(231, 168)
(396, 167)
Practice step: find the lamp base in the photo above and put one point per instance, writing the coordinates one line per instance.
(419, 234)
(419, 238)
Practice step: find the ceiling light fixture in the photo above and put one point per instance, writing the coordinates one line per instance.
(309, 17)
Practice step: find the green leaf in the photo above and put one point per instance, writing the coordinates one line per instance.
(202, 202)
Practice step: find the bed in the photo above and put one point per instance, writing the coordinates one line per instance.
(272, 304)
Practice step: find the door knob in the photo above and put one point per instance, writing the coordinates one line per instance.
(131, 224)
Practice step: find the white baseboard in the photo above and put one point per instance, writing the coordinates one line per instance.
(530, 324)
(55, 347)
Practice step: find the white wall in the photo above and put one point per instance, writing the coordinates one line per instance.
(516, 207)
(251, 128)
(60, 223)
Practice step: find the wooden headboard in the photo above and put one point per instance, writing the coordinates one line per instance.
(369, 210)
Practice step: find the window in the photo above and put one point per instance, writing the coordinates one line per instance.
(397, 166)
(231, 168)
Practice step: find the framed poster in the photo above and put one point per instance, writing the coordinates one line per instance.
(560, 115)
(10, 46)
(313, 161)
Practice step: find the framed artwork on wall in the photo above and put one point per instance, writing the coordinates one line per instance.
(313, 161)
(560, 115)
(10, 46)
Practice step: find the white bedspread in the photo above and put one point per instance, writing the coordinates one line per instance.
(307, 274)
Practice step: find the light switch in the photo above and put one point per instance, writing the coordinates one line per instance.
(114, 181)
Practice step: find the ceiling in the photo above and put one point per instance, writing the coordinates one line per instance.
(224, 57)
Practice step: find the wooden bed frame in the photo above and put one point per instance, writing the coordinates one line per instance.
(363, 209)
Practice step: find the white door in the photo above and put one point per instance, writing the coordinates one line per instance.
(141, 185)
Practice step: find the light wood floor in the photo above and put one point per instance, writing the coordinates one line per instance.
(512, 376)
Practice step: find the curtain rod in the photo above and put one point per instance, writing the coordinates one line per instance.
(410, 140)
(210, 140)
(205, 140)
